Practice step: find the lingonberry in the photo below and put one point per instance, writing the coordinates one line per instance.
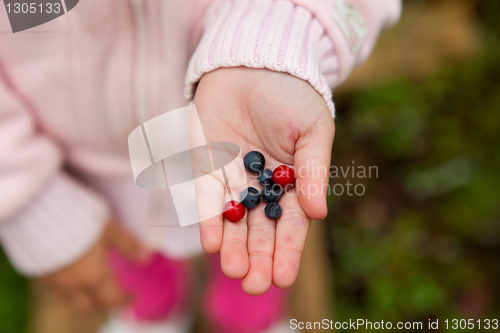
(271, 193)
(250, 197)
(265, 177)
(254, 161)
(283, 175)
(234, 211)
(273, 211)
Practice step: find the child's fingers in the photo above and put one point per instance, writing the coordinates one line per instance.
(82, 302)
(261, 235)
(312, 163)
(233, 253)
(210, 199)
(291, 233)
(109, 294)
(213, 190)
(125, 243)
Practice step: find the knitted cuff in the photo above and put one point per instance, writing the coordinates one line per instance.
(273, 34)
(57, 228)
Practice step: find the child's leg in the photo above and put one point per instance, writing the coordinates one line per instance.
(232, 310)
(159, 288)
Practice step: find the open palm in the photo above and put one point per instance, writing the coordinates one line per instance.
(288, 121)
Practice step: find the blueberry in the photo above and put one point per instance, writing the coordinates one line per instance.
(271, 193)
(254, 161)
(265, 177)
(250, 197)
(273, 211)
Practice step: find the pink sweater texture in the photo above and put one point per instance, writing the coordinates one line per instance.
(73, 89)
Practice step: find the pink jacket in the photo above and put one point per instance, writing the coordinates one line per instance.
(73, 89)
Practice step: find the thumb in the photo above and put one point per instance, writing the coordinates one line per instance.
(312, 167)
(125, 243)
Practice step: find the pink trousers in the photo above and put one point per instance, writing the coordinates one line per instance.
(161, 287)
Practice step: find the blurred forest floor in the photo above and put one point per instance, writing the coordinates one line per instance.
(423, 241)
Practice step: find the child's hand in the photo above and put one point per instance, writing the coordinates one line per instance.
(288, 121)
(89, 283)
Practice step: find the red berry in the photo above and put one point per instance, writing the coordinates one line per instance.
(283, 176)
(234, 211)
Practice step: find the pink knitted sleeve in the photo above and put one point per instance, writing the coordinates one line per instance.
(47, 219)
(318, 41)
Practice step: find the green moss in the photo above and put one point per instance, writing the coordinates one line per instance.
(434, 253)
(13, 299)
